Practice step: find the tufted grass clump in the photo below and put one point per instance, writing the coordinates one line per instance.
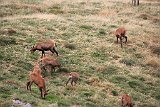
(25, 65)
(102, 32)
(87, 94)
(56, 10)
(8, 57)
(156, 50)
(114, 93)
(62, 69)
(128, 62)
(87, 27)
(1, 55)
(70, 46)
(119, 79)
(5, 103)
(111, 70)
(134, 84)
(7, 41)
(140, 86)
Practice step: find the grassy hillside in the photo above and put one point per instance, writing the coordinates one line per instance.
(83, 31)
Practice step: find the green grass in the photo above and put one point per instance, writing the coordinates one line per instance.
(7, 41)
(87, 27)
(83, 31)
(56, 10)
(115, 93)
(128, 62)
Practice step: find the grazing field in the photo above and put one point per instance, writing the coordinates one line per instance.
(84, 33)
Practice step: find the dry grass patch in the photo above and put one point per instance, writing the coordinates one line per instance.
(70, 46)
(101, 68)
(8, 31)
(154, 19)
(154, 44)
(153, 63)
(17, 9)
(155, 49)
(153, 0)
(107, 12)
(92, 80)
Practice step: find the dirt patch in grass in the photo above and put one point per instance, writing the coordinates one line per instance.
(144, 16)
